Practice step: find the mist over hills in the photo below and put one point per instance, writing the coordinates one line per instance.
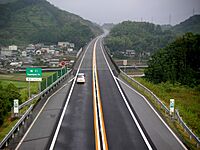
(34, 21)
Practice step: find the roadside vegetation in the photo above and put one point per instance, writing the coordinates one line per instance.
(139, 36)
(173, 67)
(177, 63)
(173, 73)
(162, 91)
(14, 86)
(187, 100)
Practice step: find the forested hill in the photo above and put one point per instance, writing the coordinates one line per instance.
(190, 25)
(33, 21)
(140, 36)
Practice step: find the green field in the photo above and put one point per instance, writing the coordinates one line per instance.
(187, 101)
(19, 80)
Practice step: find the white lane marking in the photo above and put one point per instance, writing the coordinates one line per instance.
(71, 80)
(21, 141)
(155, 113)
(66, 104)
(127, 105)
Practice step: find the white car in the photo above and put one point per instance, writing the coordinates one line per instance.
(80, 78)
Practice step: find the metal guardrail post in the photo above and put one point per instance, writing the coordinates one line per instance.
(11, 133)
(158, 101)
(187, 129)
(5, 141)
(176, 115)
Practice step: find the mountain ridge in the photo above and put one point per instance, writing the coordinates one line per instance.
(32, 21)
(192, 24)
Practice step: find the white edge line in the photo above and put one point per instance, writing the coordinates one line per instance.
(71, 80)
(21, 141)
(124, 98)
(155, 113)
(66, 104)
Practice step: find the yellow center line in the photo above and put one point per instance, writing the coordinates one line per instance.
(101, 113)
(96, 96)
(96, 131)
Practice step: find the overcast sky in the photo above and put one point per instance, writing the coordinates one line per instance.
(115, 11)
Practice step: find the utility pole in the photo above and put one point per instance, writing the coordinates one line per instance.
(151, 19)
(170, 18)
(193, 12)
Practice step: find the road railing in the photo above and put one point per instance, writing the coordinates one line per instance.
(165, 108)
(79, 52)
(159, 102)
(186, 128)
(16, 128)
(54, 81)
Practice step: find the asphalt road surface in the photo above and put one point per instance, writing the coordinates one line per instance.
(99, 115)
(160, 134)
(77, 128)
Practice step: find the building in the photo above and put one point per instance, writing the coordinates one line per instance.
(63, 44)
(130, 53)
(9, 51)
(24, 53)
(70, 49)
(71, 45)
(54, 62)
(12, 48)
(30, 50)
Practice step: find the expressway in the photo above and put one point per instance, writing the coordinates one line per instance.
(103, 113)
(100, 121)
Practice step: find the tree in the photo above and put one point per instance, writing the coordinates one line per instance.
(140, 36)
(178, 62)
(7, 95)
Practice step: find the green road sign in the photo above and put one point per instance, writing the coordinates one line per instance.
(33, 74)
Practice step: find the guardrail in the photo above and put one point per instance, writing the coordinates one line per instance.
(5, 141)
(10, 135)
(79, 52)
(186, 128)
(16, 128)
(45, 91)
(148, 91)
(163, 106)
